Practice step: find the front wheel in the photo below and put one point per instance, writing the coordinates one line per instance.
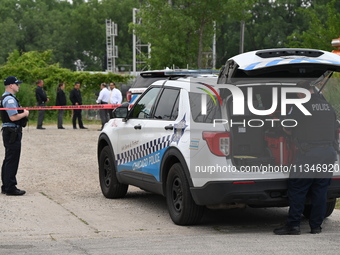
(181, 206)
(109, 184)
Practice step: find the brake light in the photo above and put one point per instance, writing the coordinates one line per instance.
(246, 182)
(218, 142)
(128, 96)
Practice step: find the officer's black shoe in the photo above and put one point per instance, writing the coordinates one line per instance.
(61, 128)
(41, 128)
(83, 127)
(16, 192)
(287, 230)
(315, 230)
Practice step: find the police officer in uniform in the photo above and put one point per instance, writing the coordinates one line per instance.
(42, 99)
(315, 138)
(76, 99)
(13, 121)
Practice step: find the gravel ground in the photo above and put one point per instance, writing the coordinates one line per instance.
(64, 212)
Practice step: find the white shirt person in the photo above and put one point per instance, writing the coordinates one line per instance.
(115, 94)
(104, 95)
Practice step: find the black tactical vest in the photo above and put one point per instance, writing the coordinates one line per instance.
(4, 115)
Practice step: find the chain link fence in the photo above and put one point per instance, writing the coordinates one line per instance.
(91, 114)
(337, 110)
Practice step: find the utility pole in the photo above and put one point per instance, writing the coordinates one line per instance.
(242, 36)
(214, 48)
(137, 52)
(111, 48)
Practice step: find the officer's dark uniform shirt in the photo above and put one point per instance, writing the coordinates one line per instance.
(321, 126)
(40, 95)
(61, 98)
(75, 97)
(9, 102)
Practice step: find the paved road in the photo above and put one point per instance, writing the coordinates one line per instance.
(64, 212)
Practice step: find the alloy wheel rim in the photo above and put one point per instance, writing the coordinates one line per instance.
(177, 195)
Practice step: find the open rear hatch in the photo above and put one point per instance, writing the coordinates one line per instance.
(279, 64)
(266, 144)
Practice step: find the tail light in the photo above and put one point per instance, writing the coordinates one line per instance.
(218, 142)
(128, 96)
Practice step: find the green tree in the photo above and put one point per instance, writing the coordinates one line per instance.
(181, 31)
(120, 12)
(34, 65)
(73, 31)
(272, 22)
(323, 26)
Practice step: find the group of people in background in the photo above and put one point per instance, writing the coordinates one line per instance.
(107, 95)
(13, 120)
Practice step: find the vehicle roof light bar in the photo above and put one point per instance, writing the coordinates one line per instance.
(288, 52)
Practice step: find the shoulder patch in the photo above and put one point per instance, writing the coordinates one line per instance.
(10, 101)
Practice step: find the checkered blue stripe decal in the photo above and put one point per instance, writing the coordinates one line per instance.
(283, 61)
(143, 150)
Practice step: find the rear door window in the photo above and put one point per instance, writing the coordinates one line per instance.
(213, 109)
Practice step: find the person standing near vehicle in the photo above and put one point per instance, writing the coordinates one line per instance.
(115, 96)
(315, 138)
(76, 99)
(60, 101)
(103, 98)
(42, 99)
(12, 123)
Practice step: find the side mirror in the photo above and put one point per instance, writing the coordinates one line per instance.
(121, 111)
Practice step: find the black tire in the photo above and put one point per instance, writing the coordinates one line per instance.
(110, 186)
(329, 209)
(181, 206)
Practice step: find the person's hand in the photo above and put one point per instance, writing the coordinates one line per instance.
(26, 112)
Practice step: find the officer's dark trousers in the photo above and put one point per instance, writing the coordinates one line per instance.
(60, 118)
(11, 162)
(312, 182)
(41, 115)
(104, 116)
(77, 115)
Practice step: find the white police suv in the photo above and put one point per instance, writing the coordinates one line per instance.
(206, 144)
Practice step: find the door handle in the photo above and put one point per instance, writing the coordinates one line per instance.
(138, 126)
(170, 127)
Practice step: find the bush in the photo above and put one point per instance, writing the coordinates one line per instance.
(32, 66)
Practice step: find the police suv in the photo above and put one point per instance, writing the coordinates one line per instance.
(203, 143)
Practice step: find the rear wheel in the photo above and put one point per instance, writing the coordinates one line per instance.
(181, 206)
(109, 184)
(329, 209)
